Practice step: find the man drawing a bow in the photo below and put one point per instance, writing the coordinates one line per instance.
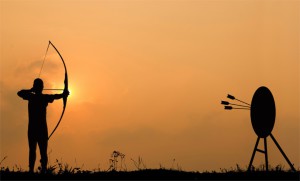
(37, 126)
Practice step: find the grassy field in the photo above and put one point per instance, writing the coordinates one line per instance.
(118, 171)
(152, 174)
(148, 174)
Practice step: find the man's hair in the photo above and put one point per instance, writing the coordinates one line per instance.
(38, 82)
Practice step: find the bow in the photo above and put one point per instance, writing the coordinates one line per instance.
(65, 88)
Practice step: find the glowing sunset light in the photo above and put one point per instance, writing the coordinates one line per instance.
(146, 78)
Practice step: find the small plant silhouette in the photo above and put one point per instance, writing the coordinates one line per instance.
(114, 161)
(3, 160)
(139, 164)
(177, 165)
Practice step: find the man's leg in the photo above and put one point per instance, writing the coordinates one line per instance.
(43, 144)
(32, 155)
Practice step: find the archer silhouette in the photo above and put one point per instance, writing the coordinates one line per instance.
(37, 127)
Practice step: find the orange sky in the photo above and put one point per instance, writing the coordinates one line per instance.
(147, 78)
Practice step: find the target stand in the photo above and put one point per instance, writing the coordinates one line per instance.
(263, 113)
(266, 153)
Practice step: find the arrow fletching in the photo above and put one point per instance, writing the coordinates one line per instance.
(224, 102)
(228, 107)
(230, 97)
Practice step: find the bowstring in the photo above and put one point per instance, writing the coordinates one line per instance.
(44, 60)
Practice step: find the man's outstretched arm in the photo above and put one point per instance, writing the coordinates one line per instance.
(59, 96)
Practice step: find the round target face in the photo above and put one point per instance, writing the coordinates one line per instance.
(263, 112)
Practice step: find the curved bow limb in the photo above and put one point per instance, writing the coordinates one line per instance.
(65, 98)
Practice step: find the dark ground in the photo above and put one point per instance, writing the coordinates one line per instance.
(153, 174)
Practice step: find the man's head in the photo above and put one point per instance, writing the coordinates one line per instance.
(38, 85)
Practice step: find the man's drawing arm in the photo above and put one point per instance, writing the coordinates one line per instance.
(25, 93)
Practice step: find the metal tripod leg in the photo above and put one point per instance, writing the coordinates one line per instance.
(253, 154)
(266, 153)
(286, 158)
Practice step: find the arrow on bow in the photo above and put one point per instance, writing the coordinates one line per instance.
(65, 83)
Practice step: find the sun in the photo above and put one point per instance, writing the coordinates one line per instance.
(73, 93)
